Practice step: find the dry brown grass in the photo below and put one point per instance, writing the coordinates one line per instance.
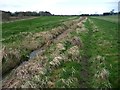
(24, 75)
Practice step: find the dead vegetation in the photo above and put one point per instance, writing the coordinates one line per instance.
(69, 56)
(63, 63)
(30, 72)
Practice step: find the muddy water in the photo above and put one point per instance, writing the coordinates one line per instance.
(36, 53)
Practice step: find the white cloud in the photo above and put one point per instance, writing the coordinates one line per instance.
(59, 6)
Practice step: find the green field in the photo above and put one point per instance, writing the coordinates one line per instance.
(113, 18)
(12, 29)
(77, 54)
(102, 42)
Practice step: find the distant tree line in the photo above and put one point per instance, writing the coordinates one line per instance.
(104, 14)
(6, 15)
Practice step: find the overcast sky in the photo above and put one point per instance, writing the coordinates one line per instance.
(60, 6)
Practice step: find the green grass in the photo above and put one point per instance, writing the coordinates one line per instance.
(109, 32)
(66, 72)
(10, 30)
(32, 25)
(112, 18)
(103, 43)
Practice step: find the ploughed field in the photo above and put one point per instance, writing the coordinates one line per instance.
(60, 52)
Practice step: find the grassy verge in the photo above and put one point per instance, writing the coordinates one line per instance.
(109, 48)
(102, 50)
